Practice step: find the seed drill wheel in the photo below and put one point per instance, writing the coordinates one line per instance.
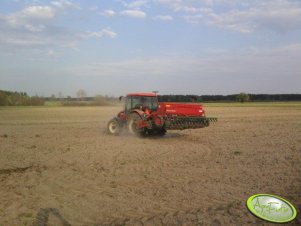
(132, 124)
(113, 127)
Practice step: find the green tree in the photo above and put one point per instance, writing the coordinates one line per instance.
(3, 99)
(36, 100)
(243, 97)
(16, 99)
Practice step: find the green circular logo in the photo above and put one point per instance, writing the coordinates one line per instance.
(271, 208)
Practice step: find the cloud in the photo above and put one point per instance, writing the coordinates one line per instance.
(136, 4)
(134, 13)
(63, 4)
(31, 14)
(108, 13)
(107, 32)
(37, 28)
(279, 16)
(163, 17)
(37, 12)
(193, 6)
(27, 27)
(194, 19)
(32, 27)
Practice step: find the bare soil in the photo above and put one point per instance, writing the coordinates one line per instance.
(59, 167)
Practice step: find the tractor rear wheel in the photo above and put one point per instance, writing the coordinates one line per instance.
(161, 132)
(132, 124)
(113, 127)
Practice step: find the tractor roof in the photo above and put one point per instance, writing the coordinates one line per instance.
(142, 94)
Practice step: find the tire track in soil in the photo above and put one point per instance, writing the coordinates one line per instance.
(197, 217)
(43, 216)
(15, 170)
(6, 172)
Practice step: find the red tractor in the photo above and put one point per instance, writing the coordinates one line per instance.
(144, 115)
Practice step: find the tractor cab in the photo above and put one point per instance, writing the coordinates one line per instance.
(141, 101)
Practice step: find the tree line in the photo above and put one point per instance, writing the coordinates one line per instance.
(8, 98)
(241, 97)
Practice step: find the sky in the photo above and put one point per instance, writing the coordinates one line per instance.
(171, 46)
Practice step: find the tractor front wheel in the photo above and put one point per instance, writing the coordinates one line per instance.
(113, 127)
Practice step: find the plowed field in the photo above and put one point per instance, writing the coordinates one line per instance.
(59, 167)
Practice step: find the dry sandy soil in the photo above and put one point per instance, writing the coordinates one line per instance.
(59, 167)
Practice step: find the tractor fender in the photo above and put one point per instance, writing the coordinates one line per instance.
(139, 112)
(143, 121)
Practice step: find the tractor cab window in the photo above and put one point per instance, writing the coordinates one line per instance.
(151, 103)
(128, 104)
(135, 102)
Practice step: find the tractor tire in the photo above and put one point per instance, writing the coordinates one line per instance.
(132, 125)
(113, 127)
(161, 132)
